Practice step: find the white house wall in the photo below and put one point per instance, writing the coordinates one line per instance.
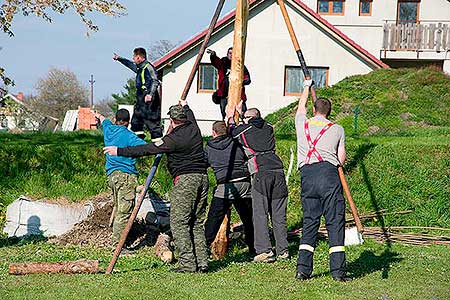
(368, 30)
(269, 50)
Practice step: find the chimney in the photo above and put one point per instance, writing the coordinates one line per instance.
(20, 96)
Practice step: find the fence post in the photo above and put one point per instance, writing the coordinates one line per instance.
(356, 112)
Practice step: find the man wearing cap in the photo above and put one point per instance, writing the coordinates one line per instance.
(186, 162)
(121, 171)
(321, 149)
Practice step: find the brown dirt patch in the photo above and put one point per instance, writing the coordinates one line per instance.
(95, 230)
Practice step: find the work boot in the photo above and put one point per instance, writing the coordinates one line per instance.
(204, 269)
(284, 256)
(267, 257)
(302, 276)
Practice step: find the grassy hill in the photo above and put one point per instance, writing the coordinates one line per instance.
(390, 102)
(399, 158)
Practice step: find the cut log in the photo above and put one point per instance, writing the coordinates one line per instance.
(65, 267)
(162, 248)
(220, 245)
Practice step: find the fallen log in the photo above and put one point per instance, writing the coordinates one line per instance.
(162, 248)
(65, 267)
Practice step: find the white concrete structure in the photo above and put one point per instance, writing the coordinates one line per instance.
(270, 58)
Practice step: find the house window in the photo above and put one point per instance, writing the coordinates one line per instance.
(293, 79)
(331, 7)
(365, 7)
(207, 78)
(408, 11)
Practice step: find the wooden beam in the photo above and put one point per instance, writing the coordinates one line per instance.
(220, 244)
(237, 63)
(65, 267)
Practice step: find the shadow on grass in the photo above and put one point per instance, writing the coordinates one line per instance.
(368, 262)
(21, 241)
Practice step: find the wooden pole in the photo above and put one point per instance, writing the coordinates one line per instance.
(350, 200)
(202, 49)
(127, 229)
(65, 267)
(294, 40)
(220, 244)
(237, 63)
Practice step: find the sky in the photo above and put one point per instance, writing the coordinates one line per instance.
(38, 45)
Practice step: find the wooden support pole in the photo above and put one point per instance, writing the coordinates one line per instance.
(137, 206)
(220, 244)
(202, 49)
(237, 62)
(65, 267)
(350, 200)
(294, 40)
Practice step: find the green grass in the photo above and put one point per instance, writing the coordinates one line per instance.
(381, 272)
(402, 165)
(391, 102)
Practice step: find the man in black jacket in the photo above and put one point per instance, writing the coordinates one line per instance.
(147, 110)
(269, 190)
(227, 158)
(187, 165)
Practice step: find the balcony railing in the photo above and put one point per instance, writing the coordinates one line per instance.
(416, 37)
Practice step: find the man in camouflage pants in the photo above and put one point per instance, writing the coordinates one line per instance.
(121, 171)
(186, 162)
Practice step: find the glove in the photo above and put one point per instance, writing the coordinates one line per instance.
(307, 83)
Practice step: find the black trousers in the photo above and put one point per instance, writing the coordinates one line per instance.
(322, 195)
(219, 208)
(147, 116)
(223, 106)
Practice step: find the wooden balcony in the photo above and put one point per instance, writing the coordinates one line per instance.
(432, 37)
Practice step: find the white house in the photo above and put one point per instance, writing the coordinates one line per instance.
(332, 53)
(402, 33)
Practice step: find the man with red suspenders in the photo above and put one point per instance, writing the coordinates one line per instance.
(321, 149)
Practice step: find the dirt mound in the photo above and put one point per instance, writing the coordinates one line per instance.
(95, 230)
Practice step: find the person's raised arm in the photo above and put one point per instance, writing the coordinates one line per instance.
(127, 63)
(215, 60)
(304, 97)
(188, 111)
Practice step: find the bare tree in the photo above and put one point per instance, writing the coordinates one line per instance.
(160, 48)
(58, 92)
(104, 107)
(44, 8)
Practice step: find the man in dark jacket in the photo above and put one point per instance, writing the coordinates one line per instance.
(147, 110)
(269, 190)
(187, 165)
(227, 158)
(223, 66)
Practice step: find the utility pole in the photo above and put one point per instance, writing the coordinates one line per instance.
(92, 81)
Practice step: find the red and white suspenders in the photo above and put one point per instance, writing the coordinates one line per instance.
(312, 144)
